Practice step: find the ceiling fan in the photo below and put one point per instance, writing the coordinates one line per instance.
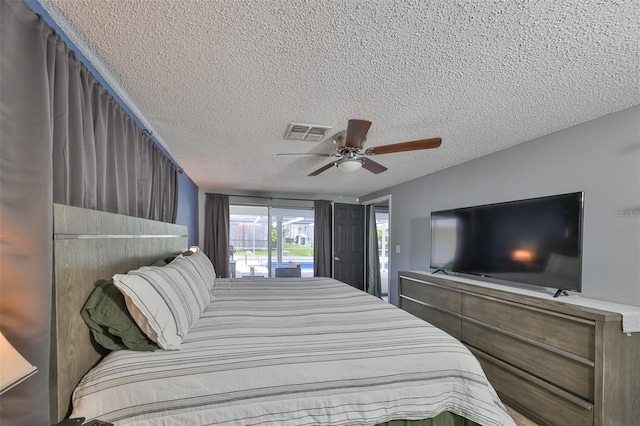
(351, 155)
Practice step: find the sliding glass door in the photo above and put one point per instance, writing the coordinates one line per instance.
(249, 240)
(292, 239)
(264, 238)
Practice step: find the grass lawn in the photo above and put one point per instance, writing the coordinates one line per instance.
(287, 250)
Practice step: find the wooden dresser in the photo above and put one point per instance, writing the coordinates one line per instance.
(557, 363)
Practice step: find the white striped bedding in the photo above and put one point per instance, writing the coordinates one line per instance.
(293, 352)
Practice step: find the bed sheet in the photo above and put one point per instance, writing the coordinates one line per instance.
(293, 352)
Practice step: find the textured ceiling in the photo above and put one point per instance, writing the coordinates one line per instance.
(217, 82)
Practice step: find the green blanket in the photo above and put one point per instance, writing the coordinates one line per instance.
(106, 314)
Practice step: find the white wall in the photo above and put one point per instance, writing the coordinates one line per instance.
(600, 157)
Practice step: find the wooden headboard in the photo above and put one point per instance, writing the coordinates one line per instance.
(89, 246)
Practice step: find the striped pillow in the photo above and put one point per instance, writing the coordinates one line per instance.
(165, 302)
(204, 267)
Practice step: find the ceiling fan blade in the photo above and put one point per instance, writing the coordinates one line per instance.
(405, 146)
(339, 139)
(305, 154)
(322, 169)
(356, 132)
(372, 166)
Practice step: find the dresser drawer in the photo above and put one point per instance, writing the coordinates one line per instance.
(444, 320)
(574, 335)
(569, 373)
(431, 294)
(537, 401)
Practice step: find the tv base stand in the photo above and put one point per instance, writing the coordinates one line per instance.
(561, 292)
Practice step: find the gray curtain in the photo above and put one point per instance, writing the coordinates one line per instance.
(58, 129)
(322, 250)
(27, 49)
(101, 158)
(374, 286)
(216, 232)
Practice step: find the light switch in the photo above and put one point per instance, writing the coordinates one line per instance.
(398, 249)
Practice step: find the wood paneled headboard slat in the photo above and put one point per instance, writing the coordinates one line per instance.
(90, 246)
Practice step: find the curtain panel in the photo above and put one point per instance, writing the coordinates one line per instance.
(101, 158)
(216, 232)
(27, 52)
(323, 253)
(64, 139)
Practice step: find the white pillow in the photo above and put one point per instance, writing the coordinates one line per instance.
(191, 272)
(165, 301)
(204, 267)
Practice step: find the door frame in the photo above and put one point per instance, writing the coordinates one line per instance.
(380, 200)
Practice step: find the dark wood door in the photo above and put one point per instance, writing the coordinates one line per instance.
(349, 244)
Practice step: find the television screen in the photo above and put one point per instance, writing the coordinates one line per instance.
(536, 241)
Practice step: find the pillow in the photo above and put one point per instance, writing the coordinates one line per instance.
(191, 270)
(204, 267)
(165, 301)
(112, 327)
(159, 262)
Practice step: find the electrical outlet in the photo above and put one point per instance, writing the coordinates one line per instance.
(398, 249)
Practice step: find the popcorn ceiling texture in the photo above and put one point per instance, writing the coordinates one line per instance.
(219, 81)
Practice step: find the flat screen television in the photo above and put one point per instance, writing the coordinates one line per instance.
(536, 241)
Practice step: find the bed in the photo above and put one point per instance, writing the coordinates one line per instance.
(285, 351)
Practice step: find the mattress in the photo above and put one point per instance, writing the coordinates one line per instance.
(293, 351)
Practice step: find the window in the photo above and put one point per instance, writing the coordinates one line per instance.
(264, 238)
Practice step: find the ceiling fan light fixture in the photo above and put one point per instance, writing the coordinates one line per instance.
(350, 165)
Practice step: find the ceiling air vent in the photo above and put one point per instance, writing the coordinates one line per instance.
(306, 132)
